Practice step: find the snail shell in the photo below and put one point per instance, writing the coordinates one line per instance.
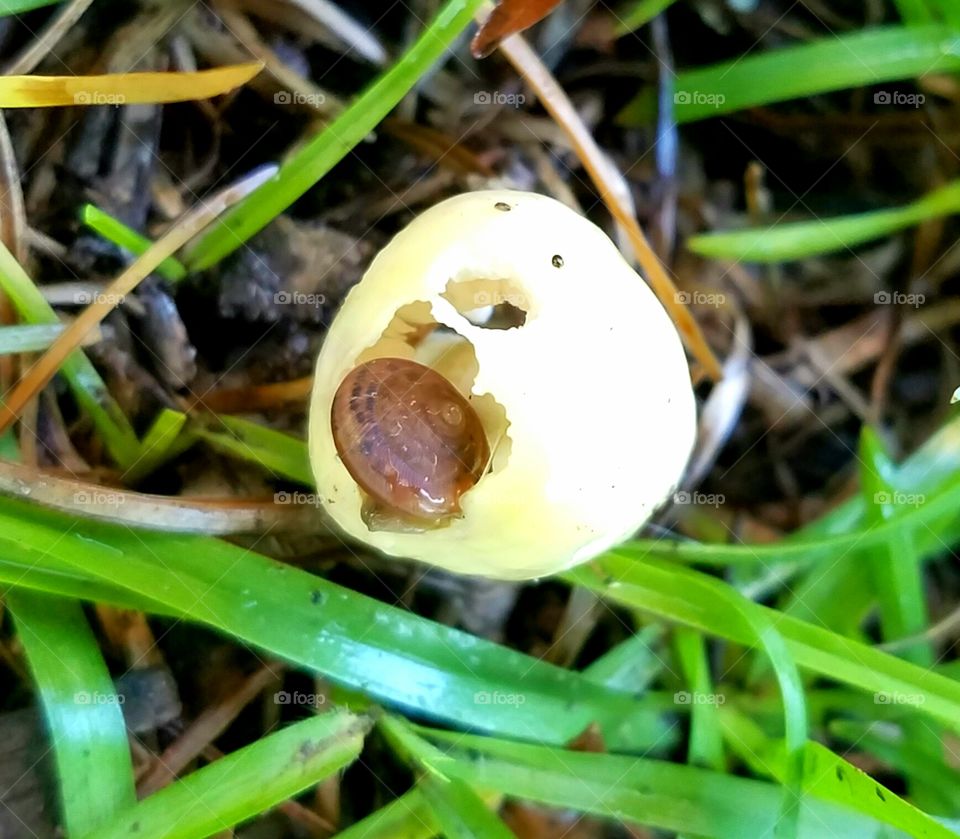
(408, 438)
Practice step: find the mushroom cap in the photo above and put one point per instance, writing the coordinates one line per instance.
(600, 416)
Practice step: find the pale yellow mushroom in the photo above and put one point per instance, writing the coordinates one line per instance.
(569, 361)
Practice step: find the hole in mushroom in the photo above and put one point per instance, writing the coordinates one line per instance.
(490, 304)
(415, 334)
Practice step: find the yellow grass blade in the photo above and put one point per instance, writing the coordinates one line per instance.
(122, 88)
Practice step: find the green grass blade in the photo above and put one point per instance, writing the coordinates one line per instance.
(896, 748)
(69, 583)
(85, 383)
(640, 13)
(895, 567)
(460, 812)
(16, 339)
(914, 12)
(630, 666)
(948, 10)
(673, 797)
(809, 545)
(9, 449)
(278, 453)
(308, 165)
(244, 783)
(829, 777)
(114, 230)
(704, 603)
(407, 817)
(385, 652)
(834, 594)
(762, 626)
(803, 239)
(82, 710)
(158, 445)
(17, 7)
(864, 57)
(705, 747)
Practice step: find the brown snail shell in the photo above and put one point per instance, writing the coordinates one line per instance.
(409, 438)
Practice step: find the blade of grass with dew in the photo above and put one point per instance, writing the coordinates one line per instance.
(280, 454)
(803, 239)
(460, 812)
(697, 600)
(123, 88)
(862, 57)
(705, 746)
(158, 445)
(828, 777)
(889, 743)
(669, 796)
(245, 783)
(640, 13)
(17, 339)
(406, 817)
(115, 231)
(382, 651)
(311, 162)
(85, 383)
(82, 710)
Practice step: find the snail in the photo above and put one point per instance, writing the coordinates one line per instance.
(578, 414)
(409, 439)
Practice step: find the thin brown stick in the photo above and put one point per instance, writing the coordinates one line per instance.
(552, 96)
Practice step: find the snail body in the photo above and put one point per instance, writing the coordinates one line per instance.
(409, 439)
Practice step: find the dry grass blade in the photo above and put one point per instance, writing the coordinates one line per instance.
(37, 377)
(211, 516)
(13, 228)
(48, 39)
(559, 106)
(122, 88)
(13, 221)
(332, 17)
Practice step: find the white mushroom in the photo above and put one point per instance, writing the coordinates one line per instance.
(572, 367)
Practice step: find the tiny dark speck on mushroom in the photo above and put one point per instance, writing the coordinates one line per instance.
(557, 261)
(316, 597)
(502, 206)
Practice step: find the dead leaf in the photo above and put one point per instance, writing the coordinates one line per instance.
(508, 18)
